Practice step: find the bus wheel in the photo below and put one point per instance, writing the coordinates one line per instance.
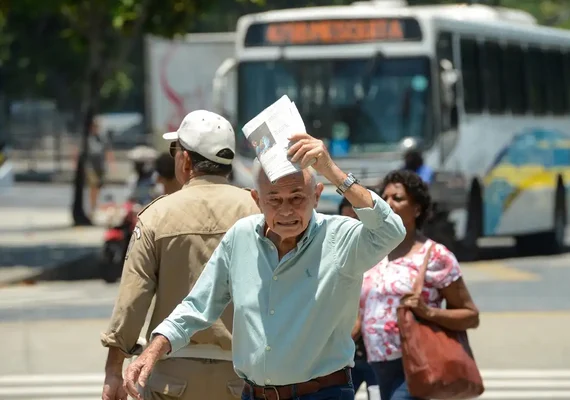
(551, 242)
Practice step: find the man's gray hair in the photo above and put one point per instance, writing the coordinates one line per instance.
(257, 170)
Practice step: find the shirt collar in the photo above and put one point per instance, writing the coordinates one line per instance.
(206, 180)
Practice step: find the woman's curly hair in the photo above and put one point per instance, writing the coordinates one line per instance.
(415, 187)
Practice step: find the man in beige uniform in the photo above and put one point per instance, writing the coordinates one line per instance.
(174, 238)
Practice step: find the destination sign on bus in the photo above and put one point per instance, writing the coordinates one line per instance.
(338, 31)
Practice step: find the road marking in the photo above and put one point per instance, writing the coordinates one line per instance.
(525, 394)
(530, 314)
(14, 380)
(519, 384)
(39, 296)
(498, 271)
(525, 373)
(500, 385)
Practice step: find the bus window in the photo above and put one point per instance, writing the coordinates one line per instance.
(470, 68)
(448, 95)
(493, 77)
(555, 86)
(537, 81)
(515, 79)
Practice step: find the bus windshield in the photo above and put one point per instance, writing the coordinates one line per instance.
(355, 105)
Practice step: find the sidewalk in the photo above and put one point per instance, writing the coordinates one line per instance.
(33, 241)
(64, 171)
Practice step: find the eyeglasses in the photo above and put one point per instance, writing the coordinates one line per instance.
(174, 147)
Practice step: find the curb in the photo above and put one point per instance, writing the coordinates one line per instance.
(80, 267)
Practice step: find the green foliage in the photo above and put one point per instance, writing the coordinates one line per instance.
(46, 45)
(50, 47)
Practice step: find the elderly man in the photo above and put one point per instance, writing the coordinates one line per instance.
(294, 276)
(174, 238)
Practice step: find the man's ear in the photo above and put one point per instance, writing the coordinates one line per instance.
(255, 197)
(187, 166)
(319, 187)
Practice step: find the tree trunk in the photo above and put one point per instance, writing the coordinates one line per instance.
(98, 72)
(90, 106)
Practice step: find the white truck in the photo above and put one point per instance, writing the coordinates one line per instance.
(179, 78)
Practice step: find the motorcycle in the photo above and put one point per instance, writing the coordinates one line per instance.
(121, 221)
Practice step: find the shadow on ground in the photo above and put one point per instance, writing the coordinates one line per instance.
(51, 262)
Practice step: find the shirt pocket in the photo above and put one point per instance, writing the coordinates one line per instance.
(166, 385)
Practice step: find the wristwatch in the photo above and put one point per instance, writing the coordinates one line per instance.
(348, 182)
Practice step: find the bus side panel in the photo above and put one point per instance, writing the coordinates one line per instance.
(518, 160)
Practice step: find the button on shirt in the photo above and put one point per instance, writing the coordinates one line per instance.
(292, 317)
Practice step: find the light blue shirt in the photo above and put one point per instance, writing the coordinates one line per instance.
(292, 317)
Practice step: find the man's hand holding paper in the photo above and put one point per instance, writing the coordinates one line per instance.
(307, 151)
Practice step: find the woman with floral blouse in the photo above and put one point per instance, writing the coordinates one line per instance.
(389, 284)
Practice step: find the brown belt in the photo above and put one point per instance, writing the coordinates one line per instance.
(285, 392)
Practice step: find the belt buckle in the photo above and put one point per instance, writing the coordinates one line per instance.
(273, 388)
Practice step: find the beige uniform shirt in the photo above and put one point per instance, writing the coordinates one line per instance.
(174, 238)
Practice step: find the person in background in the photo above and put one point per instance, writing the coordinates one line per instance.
(414, 161)
(174, 238)
(140, 185)
(362, 371)
(165, 176)
(389, 284)
(100, 156)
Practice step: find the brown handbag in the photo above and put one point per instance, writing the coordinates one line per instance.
(438, 362)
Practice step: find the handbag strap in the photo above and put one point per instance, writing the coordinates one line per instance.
(420, 279)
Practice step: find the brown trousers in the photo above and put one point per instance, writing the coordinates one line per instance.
(193, 379)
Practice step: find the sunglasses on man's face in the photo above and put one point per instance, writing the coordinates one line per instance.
(174, 149)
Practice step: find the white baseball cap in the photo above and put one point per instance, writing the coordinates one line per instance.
(205, 133)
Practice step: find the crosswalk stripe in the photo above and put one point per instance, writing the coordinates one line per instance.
(49, 392)
(525, 373)
(513, 383)
(500, 385)
(41, 296)
(61, 379)
(525, 394)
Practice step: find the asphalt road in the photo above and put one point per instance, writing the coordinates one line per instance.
(537, 284)
(53, 328)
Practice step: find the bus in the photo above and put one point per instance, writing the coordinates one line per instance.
(483, 92)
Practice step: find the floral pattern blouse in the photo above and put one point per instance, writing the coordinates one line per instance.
(387, 282)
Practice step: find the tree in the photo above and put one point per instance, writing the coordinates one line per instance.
(100, 35)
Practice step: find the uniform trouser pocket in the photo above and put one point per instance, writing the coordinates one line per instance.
(192, 379)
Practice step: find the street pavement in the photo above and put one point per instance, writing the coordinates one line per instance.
(49, 195)
(521, 345)
(44, 168)
(36, 228)
(50, 330)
